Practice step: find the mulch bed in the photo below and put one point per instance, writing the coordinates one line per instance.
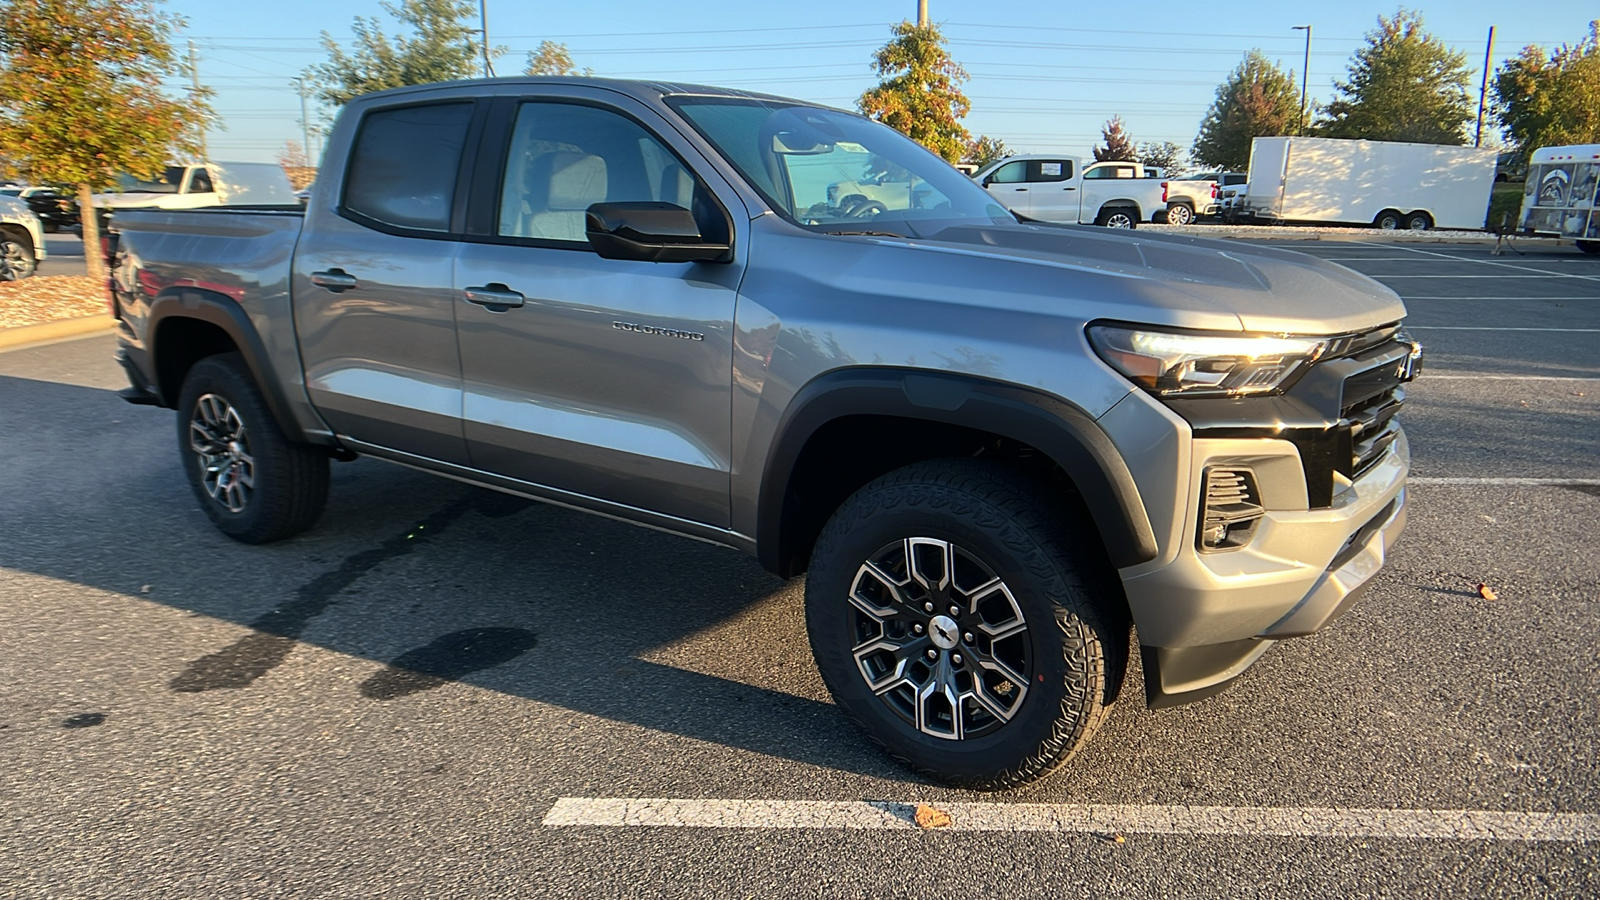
(40, 299)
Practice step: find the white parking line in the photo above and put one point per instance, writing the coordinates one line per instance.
(1503, 265)
(1502, 298)
(1487, 327)
(1073, 818)
(1507, 482)
(1531, 274)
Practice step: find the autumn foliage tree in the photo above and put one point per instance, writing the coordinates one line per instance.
(919, 91)
(1118, 146)
(1258, 99)
(552, 58)
(440, 47)
(83, 97)
(1550, 99)
(1405, 85)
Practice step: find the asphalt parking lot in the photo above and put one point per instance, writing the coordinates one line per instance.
(442, 691)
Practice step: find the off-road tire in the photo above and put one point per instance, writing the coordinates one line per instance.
(290, 480)
(1076, 616)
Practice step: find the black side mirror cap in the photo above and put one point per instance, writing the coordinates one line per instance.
(650, 231)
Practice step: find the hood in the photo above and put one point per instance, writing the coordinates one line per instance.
(1182, 281)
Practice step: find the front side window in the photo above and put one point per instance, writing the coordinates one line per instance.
(836, 172)
(403, 167)
(565, 158)
(200, 182)
(1010, 173)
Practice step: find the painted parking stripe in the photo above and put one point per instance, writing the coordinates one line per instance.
(1531, 274)
(1437, 377)
(1073, 818)
(1502, 298)
(1489, 327)
(1503, 265)
(1506, 482)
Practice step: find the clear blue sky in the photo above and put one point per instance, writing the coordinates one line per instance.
(1045, 76)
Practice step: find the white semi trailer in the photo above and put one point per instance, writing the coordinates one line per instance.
(1380, 183)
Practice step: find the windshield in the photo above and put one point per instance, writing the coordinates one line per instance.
(11, 192)
(834, 172)
(167, 183)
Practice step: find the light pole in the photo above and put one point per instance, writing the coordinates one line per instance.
(1305, 70)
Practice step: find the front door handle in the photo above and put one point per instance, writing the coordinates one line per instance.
(334, 280)
(1069, 189)
(496, 297)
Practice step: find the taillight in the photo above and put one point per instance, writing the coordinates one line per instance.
(1213, 190)
(1163, 192)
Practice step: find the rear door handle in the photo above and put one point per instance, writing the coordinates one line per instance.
(496, 297)
(334, 280)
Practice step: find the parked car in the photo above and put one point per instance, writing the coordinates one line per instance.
(21, 240)
(995, 446)
(1384, 184)
(54, 209)
(1193, 196)
(1510, 166)
(1560, 198)
(1063, 189)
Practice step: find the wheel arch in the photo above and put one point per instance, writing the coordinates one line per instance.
(1122, 203)
(189, 324)
(15, 231)
(806, 477)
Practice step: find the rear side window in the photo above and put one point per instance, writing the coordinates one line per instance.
(404, 164)
(1041, 170)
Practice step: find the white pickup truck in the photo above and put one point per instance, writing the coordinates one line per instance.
(196, 186)
(1062, 189)
(1192, 196)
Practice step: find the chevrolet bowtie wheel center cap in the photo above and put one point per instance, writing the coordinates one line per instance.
(944, 632)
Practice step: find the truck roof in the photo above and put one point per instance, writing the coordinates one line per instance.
(641, 89)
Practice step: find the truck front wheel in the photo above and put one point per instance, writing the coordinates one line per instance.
(958, 620)
(255, 484)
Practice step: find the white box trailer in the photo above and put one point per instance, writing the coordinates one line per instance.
(1559, 199)
(1380, 183)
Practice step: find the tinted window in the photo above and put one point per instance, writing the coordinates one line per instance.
(200, 182)
(565, 158)
(1010, 173)
(1049, 170)
(404, 163)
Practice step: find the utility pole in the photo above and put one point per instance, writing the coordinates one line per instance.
(922, 13)
(483, 31)
(1483, 90)
(1305, 71)
(194, 72)
(305, 118)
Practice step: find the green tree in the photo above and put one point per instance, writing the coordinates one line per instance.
(983, 150)
(552, 58)
(1405, 85)
(1258, 99)
(1118, 145)
(919, 90)
(84, 101)
(441, 47)
(1550, 99)
(1167, 155)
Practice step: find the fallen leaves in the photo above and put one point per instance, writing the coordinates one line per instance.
(1487, 592)
(47, 298)
(932, 817)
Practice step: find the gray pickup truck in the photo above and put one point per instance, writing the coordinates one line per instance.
(995, 447)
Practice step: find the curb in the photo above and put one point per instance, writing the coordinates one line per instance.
(50, 332)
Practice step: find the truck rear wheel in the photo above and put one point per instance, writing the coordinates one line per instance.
(1180, 214)
(955, 617)
(255, 484)
(1118, 217)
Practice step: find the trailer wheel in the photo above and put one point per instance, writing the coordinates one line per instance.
(1419, 221)
(1388, 220)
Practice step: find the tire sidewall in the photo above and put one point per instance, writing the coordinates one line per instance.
(220, 376)
(1058, 640)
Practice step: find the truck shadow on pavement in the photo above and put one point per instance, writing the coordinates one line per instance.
(437, 581)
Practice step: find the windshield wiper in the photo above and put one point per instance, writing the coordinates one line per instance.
(867, 233)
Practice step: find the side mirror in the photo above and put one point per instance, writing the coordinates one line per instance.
(650, 231)
(987, 180)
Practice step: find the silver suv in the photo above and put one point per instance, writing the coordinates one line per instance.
(994, 446)
(21, 240)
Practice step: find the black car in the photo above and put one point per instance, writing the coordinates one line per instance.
(54, 209)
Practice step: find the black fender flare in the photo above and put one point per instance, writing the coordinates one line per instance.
(1122, 203)
(1062, 431)
(221, 311)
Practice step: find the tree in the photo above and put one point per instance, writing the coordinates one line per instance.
(1167, 155)
(1405, 85)
(1550, 99)
(441, 47)
(919, 90)
(1258, 99)
(84, 101)
(552, 58)
(1118, 145)
(984, 150)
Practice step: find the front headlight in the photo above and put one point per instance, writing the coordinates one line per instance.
(1170, 363)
